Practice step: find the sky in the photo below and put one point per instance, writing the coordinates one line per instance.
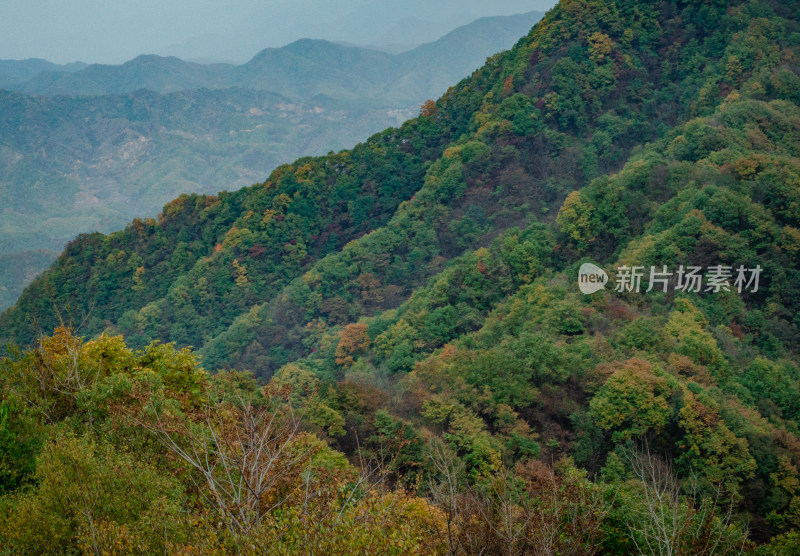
(114, 31)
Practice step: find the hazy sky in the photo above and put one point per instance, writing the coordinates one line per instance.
(113, 31)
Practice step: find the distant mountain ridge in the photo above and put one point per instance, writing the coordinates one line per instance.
(305, 68)
(148, 71)
(387, 26)
(15, 73)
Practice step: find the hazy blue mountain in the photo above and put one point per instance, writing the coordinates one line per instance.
(18, 269)
(155, 73)
(408, 33)
(307, 67)
(14, 73)
(390, 26)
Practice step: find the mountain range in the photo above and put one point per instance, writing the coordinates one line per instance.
(300, 70)
(15, 73)
(390, 345)
(92, 147)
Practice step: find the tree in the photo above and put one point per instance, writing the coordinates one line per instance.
(663, 522)
(633, 401)
(575, 220)
(428, 109)
(90, 496)
(353, 342)
(242, 445)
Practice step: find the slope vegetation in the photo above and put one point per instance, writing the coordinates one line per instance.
(417, 295)
(72, 163)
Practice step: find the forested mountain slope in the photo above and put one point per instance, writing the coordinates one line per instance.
(159, 127)
(418, 295)
(568, 103)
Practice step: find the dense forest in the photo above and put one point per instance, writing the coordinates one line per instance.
(386, 350)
